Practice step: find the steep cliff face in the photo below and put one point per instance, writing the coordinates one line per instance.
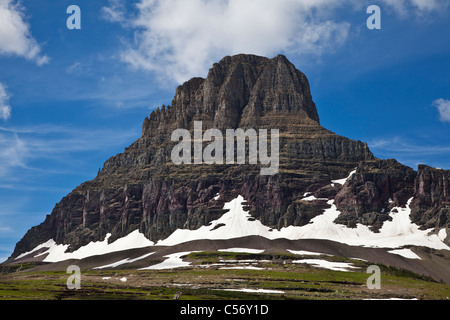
(239, 91)
(143, 189)
(375, 188)
(431, 203)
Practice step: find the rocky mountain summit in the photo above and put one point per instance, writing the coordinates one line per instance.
(142, 189)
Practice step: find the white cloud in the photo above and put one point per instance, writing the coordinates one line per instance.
(15, 35)
(181, 39)
(443, 107)
(5, 108)
(115, 12)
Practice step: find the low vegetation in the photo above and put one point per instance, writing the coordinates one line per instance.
(224, 275)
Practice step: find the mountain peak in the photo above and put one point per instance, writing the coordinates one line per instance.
(143, 189)
(240, 91)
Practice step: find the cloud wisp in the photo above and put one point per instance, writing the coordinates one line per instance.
(5, 108)
(443, 107)
(411, 153)
(418, 7)
(49, 148)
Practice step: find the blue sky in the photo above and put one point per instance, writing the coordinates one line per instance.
(70, 99)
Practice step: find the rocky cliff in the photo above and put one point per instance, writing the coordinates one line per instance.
(142, 188)
(431, 203)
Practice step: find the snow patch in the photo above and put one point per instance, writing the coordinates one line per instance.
(253, 290)
(125, 261)
(307, 253)
(313, 198)
(407, 253)
(344, 180)
(330, 265)
(442, 234)
(57, 252)
(47, 245)
(173, 261)
(237, 223)
(243, 250)
(394, 234)
(234, 224)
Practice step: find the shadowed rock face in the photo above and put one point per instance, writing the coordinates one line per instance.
(375, 188)
(142, 189)
(239, 92)
(431, 203)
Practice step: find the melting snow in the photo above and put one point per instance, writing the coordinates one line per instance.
(344, 180)
(407, 253)
(49, 244)
(307, 253)
(442, 234)
(58, 252)
(336, 266)
(237, 223)
(313, 198)
(394, 234)
(125, 261)
(244, 250)
(253, 290)
(173, 261)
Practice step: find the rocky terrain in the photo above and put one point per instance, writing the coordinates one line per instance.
(141, 189)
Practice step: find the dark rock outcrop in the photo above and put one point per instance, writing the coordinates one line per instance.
(375, 188)
(142, 189)
(431, 203)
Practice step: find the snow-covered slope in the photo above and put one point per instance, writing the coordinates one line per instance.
(57, 252)
(237, 223)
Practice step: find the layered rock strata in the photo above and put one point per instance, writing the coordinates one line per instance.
(141, 188)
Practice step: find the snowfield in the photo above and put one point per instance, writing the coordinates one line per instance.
(173, 261)
(407, 253)
(237, 223)
(335, 266)
(57, 252)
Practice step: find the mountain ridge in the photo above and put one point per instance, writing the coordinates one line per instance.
(141, 189)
